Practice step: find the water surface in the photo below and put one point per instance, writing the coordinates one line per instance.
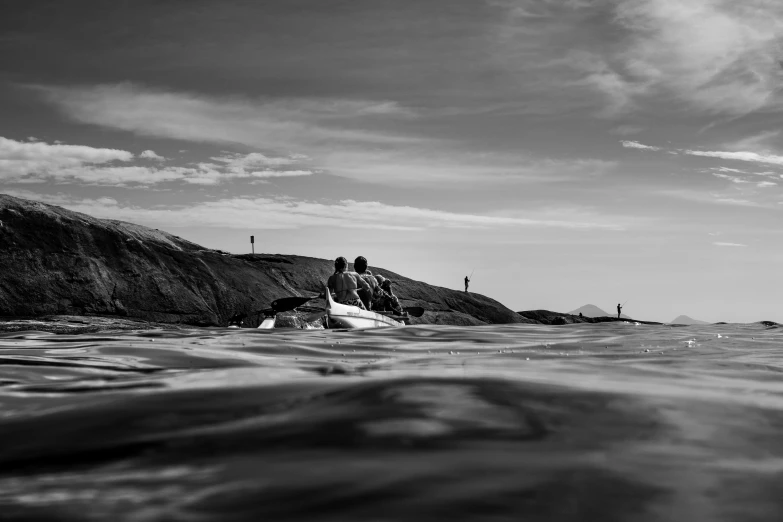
(512, 422)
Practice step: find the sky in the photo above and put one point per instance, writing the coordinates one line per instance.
(564, 151)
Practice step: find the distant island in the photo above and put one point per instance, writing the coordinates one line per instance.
(684, 319)
(590, 310)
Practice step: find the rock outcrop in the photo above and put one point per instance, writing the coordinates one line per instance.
(556, 318)
(55, 261)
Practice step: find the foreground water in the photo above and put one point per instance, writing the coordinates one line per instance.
(597, 422)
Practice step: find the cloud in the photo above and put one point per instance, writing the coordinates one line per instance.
(278, 124)
(716, 56)
(739, 156)
(289, 213)
(753, 157)
(637, 145)
(736, 171)
(339, 137)
(733, 179)
(716, 198)
(723, 244)
(39, 162)
(257, 165)
(427, 167)
(150, 154)
(755, 143)
(765, 184)
(37, 159)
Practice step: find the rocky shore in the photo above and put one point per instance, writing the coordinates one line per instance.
(56, 262)
(63, 271)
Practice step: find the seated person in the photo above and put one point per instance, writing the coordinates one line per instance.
(344, 285)
(367, 297)
(386, 300)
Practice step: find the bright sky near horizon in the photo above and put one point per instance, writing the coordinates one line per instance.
(570, 151)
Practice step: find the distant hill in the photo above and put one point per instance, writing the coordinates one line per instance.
(590, 310)
(684, 319)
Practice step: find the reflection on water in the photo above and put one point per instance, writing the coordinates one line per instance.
(516, 422)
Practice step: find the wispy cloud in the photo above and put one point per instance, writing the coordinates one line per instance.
(735, 171)
(733, 179)
(339, 137)
(289, 213)
(636, 145)
(724, 244)
(279, 124)
(434, 167)
(39, 162)
(704, 56)
(721, 172)
(721, 57)
(735, 197)
(755, 143)
(754, 157)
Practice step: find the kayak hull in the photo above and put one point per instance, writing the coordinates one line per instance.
(268, 323)
(339, 315)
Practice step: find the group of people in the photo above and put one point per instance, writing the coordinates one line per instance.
(361, 288)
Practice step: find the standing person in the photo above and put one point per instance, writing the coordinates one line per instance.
(345, 285)
(467, 280)
(619, 309)
(367, 296)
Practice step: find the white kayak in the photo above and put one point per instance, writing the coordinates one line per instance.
(268, 323)
(339, 315)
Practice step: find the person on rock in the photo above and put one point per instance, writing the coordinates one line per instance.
(345, 286)
(367, 296)
(467, 280)
(619, 310)
(386, 300)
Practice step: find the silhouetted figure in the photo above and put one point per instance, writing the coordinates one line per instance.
(467, 280)
(619, 310)
(580, 314)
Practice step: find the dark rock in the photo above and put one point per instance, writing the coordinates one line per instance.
(557, 318)
(55, 261)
